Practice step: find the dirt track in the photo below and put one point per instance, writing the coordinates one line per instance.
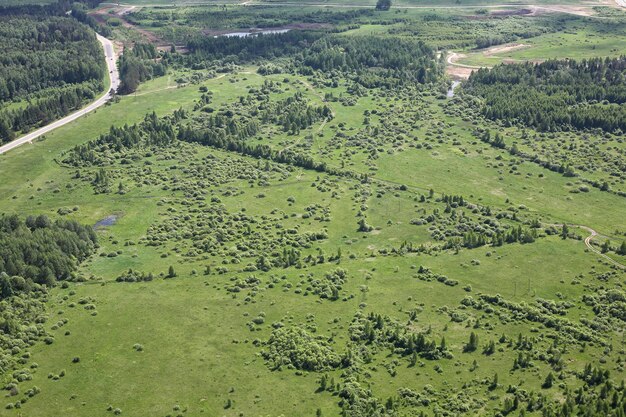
(590, 246)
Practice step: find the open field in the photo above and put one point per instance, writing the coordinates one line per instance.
(288, 226)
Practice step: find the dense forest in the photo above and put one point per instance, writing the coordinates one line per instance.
(555, 95)
(49, 67)
(373, 61)
(34, 253)
(43, 251)
(262, 46)
(139, 64)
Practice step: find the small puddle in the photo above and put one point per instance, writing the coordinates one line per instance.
(455, 84)
(107, 221)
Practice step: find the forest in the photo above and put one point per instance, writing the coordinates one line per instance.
(374, 61)
(556, 94)
(140, 64)
(50, 66)
(41, 250)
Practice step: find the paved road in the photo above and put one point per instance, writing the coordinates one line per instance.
(115, 81)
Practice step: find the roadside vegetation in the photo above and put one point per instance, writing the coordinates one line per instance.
(51, 65)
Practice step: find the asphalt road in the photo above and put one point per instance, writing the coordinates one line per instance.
(109, 53)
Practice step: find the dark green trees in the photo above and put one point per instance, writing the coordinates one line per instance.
(472, 344)
(50, 64)
(383, 5)
(170, 272)
(41, 250)
(555, 95)
(547, 383)
(138, 65)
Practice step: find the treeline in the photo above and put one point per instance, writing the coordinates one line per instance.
(402, 59)
(244, 49)
(40, 250)
(58, 103)
(50, 66)
(221, 130)
(59, 8)
(152, 131)
(374, 61)
(40, 53)
(472, 240)
(555, 95)
(138, 65)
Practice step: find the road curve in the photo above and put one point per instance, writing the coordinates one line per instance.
(109, 54)
(453, 56)
(588, 240)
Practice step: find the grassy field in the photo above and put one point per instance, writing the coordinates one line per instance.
(581, 44)
(388, 229)
(359, 3)
(196, 348)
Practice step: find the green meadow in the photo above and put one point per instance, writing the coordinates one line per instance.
(327, 242)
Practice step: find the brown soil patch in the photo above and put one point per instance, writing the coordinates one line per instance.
(102, 13)
(515, 12)
(459, 73)
(568, 9)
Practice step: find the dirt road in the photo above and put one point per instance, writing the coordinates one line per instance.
(588, 239)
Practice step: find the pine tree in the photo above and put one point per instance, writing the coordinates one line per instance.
(472, 345)
(548, 381)
(383, 5)
(170, 272)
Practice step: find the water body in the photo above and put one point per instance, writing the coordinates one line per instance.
(107, 221)
(255, 33)
(455, 84)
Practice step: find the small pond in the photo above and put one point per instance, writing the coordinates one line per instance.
(107, 221)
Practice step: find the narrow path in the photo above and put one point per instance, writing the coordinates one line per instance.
(109, 55)
(322, 125)
(590, 246)
(451, 60)
(588, 240)
(458, 71)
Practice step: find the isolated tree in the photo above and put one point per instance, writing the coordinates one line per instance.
(548, 381)
(494, 382)
(489, 348)
(472, 345)
(605, 246)
(170, 272)
(622, 249)
(383, 5)
(363, 226)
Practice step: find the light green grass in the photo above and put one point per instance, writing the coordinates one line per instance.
(560, 45)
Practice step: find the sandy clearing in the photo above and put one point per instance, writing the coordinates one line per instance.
(494, 50)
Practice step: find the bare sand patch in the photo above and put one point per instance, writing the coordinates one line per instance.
(500, 49)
